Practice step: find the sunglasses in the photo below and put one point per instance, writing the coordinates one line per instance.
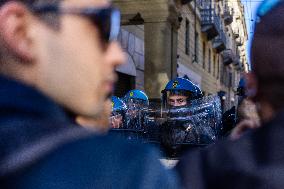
(106, 19)
(266, 7)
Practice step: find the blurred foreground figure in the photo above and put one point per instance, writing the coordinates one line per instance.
(100, 124)
(256, 160)
(57, 60)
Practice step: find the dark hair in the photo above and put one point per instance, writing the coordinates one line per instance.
(50, 19)
(268, 55)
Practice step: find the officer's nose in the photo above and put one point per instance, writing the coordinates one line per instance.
(176, 103)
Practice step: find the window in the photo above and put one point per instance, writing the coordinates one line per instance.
(196, 47)
(187, 37)
(209, 61)
(230, 79)
(214, 65)
(218, 67)
(203, 54)
(124, 84)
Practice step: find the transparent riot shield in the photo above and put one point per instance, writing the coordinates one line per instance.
(198, 123)
(154, 118)
(212, 106)
(132, 125)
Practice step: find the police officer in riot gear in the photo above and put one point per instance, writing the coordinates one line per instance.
(137, 103)
(179, 92)
(183, 126)
(118, 113)
(136, 99)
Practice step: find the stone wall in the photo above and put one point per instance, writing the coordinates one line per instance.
(132, 42)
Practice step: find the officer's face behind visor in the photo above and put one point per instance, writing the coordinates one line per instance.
(178, 98)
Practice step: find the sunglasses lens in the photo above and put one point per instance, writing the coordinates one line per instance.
(115, 25)
(108, 21)
(106, 25)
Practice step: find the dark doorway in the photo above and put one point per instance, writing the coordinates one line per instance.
(124, 84)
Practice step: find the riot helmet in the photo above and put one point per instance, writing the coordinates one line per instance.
(136, 99)
(179, 92)
(137, 105)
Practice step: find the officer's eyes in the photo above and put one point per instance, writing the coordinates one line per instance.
(180, 100)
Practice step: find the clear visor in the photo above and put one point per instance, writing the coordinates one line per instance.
(136, 104)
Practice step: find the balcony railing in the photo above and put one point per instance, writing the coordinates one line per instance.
(228, 56)
(239, 66)
(220, 42)
(237, 62)
(210, 22)
(228, 15)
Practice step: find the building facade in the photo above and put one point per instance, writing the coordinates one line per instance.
(203, 40)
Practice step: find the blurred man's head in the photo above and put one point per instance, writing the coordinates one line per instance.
(266, 82)
(62, 50)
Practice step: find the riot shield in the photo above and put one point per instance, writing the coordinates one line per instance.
(132, 125)
(154, 118)
(198, 123)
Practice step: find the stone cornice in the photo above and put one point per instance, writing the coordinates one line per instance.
(151, 11)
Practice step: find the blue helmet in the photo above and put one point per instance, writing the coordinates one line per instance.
(184, 87)
(180, 84)
(117, 104)
(137, 96)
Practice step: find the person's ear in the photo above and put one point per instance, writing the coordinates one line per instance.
(251, 85)
(14, 29)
